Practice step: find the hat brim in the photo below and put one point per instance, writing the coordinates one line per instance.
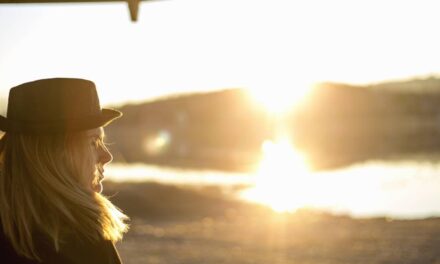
(66, 125)
(108, 115)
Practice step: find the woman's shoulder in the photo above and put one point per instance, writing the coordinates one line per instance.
(73, 249)
(77, 249)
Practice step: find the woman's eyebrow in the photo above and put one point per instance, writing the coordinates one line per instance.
(97, 136)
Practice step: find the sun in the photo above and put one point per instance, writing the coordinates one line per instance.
(281, 181)
(279, 99)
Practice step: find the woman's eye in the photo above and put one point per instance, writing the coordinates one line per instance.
(95, 143)
(98, 143)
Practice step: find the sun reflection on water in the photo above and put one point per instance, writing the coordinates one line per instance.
(281, 181)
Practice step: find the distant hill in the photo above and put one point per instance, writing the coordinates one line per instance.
(425, 85)
(221, 130)
(338, 125)
(343, 124)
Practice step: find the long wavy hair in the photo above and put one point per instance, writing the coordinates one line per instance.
(43, 191)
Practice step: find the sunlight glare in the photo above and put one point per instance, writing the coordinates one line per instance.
(281, 180)
(279, 100)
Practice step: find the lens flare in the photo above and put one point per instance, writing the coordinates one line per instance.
(157, 144)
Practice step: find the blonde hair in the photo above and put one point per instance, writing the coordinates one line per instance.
(42, 191)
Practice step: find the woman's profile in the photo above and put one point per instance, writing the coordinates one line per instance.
(52, 159)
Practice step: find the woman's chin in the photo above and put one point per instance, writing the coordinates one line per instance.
(98, 187)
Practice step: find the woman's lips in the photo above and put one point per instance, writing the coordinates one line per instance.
(101, 175)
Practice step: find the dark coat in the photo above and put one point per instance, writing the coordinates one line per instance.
(73, 251)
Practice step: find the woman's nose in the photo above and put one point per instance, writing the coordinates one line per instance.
(104, 155)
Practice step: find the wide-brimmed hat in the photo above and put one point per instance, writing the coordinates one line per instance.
(55, 105)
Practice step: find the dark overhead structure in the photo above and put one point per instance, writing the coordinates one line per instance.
(133, 5)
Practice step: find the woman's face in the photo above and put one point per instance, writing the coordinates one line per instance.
(101, 156)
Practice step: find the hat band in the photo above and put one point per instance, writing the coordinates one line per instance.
(74, 124)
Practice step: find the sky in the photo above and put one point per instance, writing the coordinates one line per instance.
(275, 48)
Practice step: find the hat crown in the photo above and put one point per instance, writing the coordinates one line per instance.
(55, 105)
(53, 99)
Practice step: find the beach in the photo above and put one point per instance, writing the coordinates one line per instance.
(203, 225)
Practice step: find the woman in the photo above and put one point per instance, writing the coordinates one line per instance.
(52, 159)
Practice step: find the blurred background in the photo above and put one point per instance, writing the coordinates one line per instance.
(255, 131)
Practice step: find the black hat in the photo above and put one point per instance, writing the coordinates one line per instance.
(55, 105)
